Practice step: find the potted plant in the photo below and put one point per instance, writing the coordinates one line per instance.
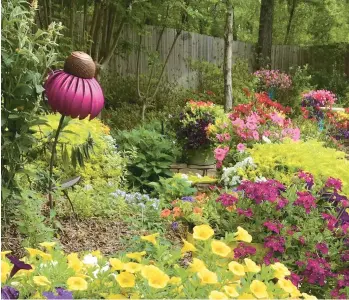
(192, 131)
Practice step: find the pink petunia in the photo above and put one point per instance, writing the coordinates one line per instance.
(220, 153)
(241, 147)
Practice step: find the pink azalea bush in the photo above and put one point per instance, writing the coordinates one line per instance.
(273, 79)
(262, 120)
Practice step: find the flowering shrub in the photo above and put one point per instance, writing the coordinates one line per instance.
(195, 119)
(273, 79)
(313, 100)
(339, 125)
(261, 120)
(212, 273)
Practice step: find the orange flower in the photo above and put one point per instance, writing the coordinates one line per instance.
(177, 212)
(174, 202)
(231, 208)
(165, 213)
(197, 210)
(200, 196)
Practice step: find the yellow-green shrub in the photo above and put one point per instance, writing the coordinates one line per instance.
(282, 161)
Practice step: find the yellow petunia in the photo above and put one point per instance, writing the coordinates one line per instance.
(74, 262)
(207, 277)
(286, 285)
(132, 267)
(175, 280)
(306, 296)
(158, 279)
(217, 295)
(41, 280)
(230, 290)
(4, 253)
(280, 270)
(36, 252)
(97, 253)
(116, 264)
(243, 235)
(150, 238)
(202, 232)
(136, 255)
(126, 279)
(113, 296)
(187, 247)
(76, 284)
(148, 270)
(220, 248)
(5, 271)
(246, 296)
(295, 293)
(259, 289)
(251, 266)
(236, 268)
(197, 265)
(48, 245)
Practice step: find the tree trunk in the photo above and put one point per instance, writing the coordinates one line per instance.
(265, 34)
(228, 57)
(72, 22)
(290, 19)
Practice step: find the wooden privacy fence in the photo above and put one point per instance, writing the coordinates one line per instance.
(193, 47)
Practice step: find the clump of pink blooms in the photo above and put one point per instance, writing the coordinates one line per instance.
(274, 226)
(220, 154)
(306, 200)
(273, 79)
(320, 98)
(243, 250)
(227, 199)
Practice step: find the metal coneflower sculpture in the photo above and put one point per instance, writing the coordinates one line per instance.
(73, 92)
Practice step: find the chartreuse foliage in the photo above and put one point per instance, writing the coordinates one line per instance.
(100, 162)
(157, 271)
(282, 161)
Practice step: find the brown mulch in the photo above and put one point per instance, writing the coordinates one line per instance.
(109, 236)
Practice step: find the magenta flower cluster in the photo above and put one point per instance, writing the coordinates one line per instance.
(274, 226)
(262, 191)
(227, 199)
(243, 250)
(319, 98)
(274, 79)
(306, 200)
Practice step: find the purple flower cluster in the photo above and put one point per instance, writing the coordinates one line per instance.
(8, 292)
(242, 251)
(322, 247)
(276, 243)
(262, 191)
(248, 213)
(331, 221)
(305, 199)
(308, 178)
(187, 199)
(317, 270)
(334, 183)
(274, 226)
(227, 199)
(61, 294)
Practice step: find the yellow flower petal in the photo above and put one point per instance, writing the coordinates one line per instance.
(243, 235)
(246, 296)
(41, 280)
(280, 270)
(126, 280)
(187, 247)
(136, 255)
(217, 295)
(236, 268)
(230, 290)
(306, 296)
(76, 284)
(251, 266)
(286, 285)
(202, 232)
(5, 271)
(150, 238)
(132, 267)
(4, 253)
(116, 264)
(74, 262)
(259, 289)
(220, 248)
(175, 280)
(197, 265)
(207, 277)
(48, 245)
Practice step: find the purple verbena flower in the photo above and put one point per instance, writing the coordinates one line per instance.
(243, 250)
(322, 247)
(274, 226)
(275, 243)
(8, 292)
(306, 200)
(188, 199)
(246, 212)
(227, 199)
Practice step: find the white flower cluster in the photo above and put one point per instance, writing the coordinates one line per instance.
(230, 175)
